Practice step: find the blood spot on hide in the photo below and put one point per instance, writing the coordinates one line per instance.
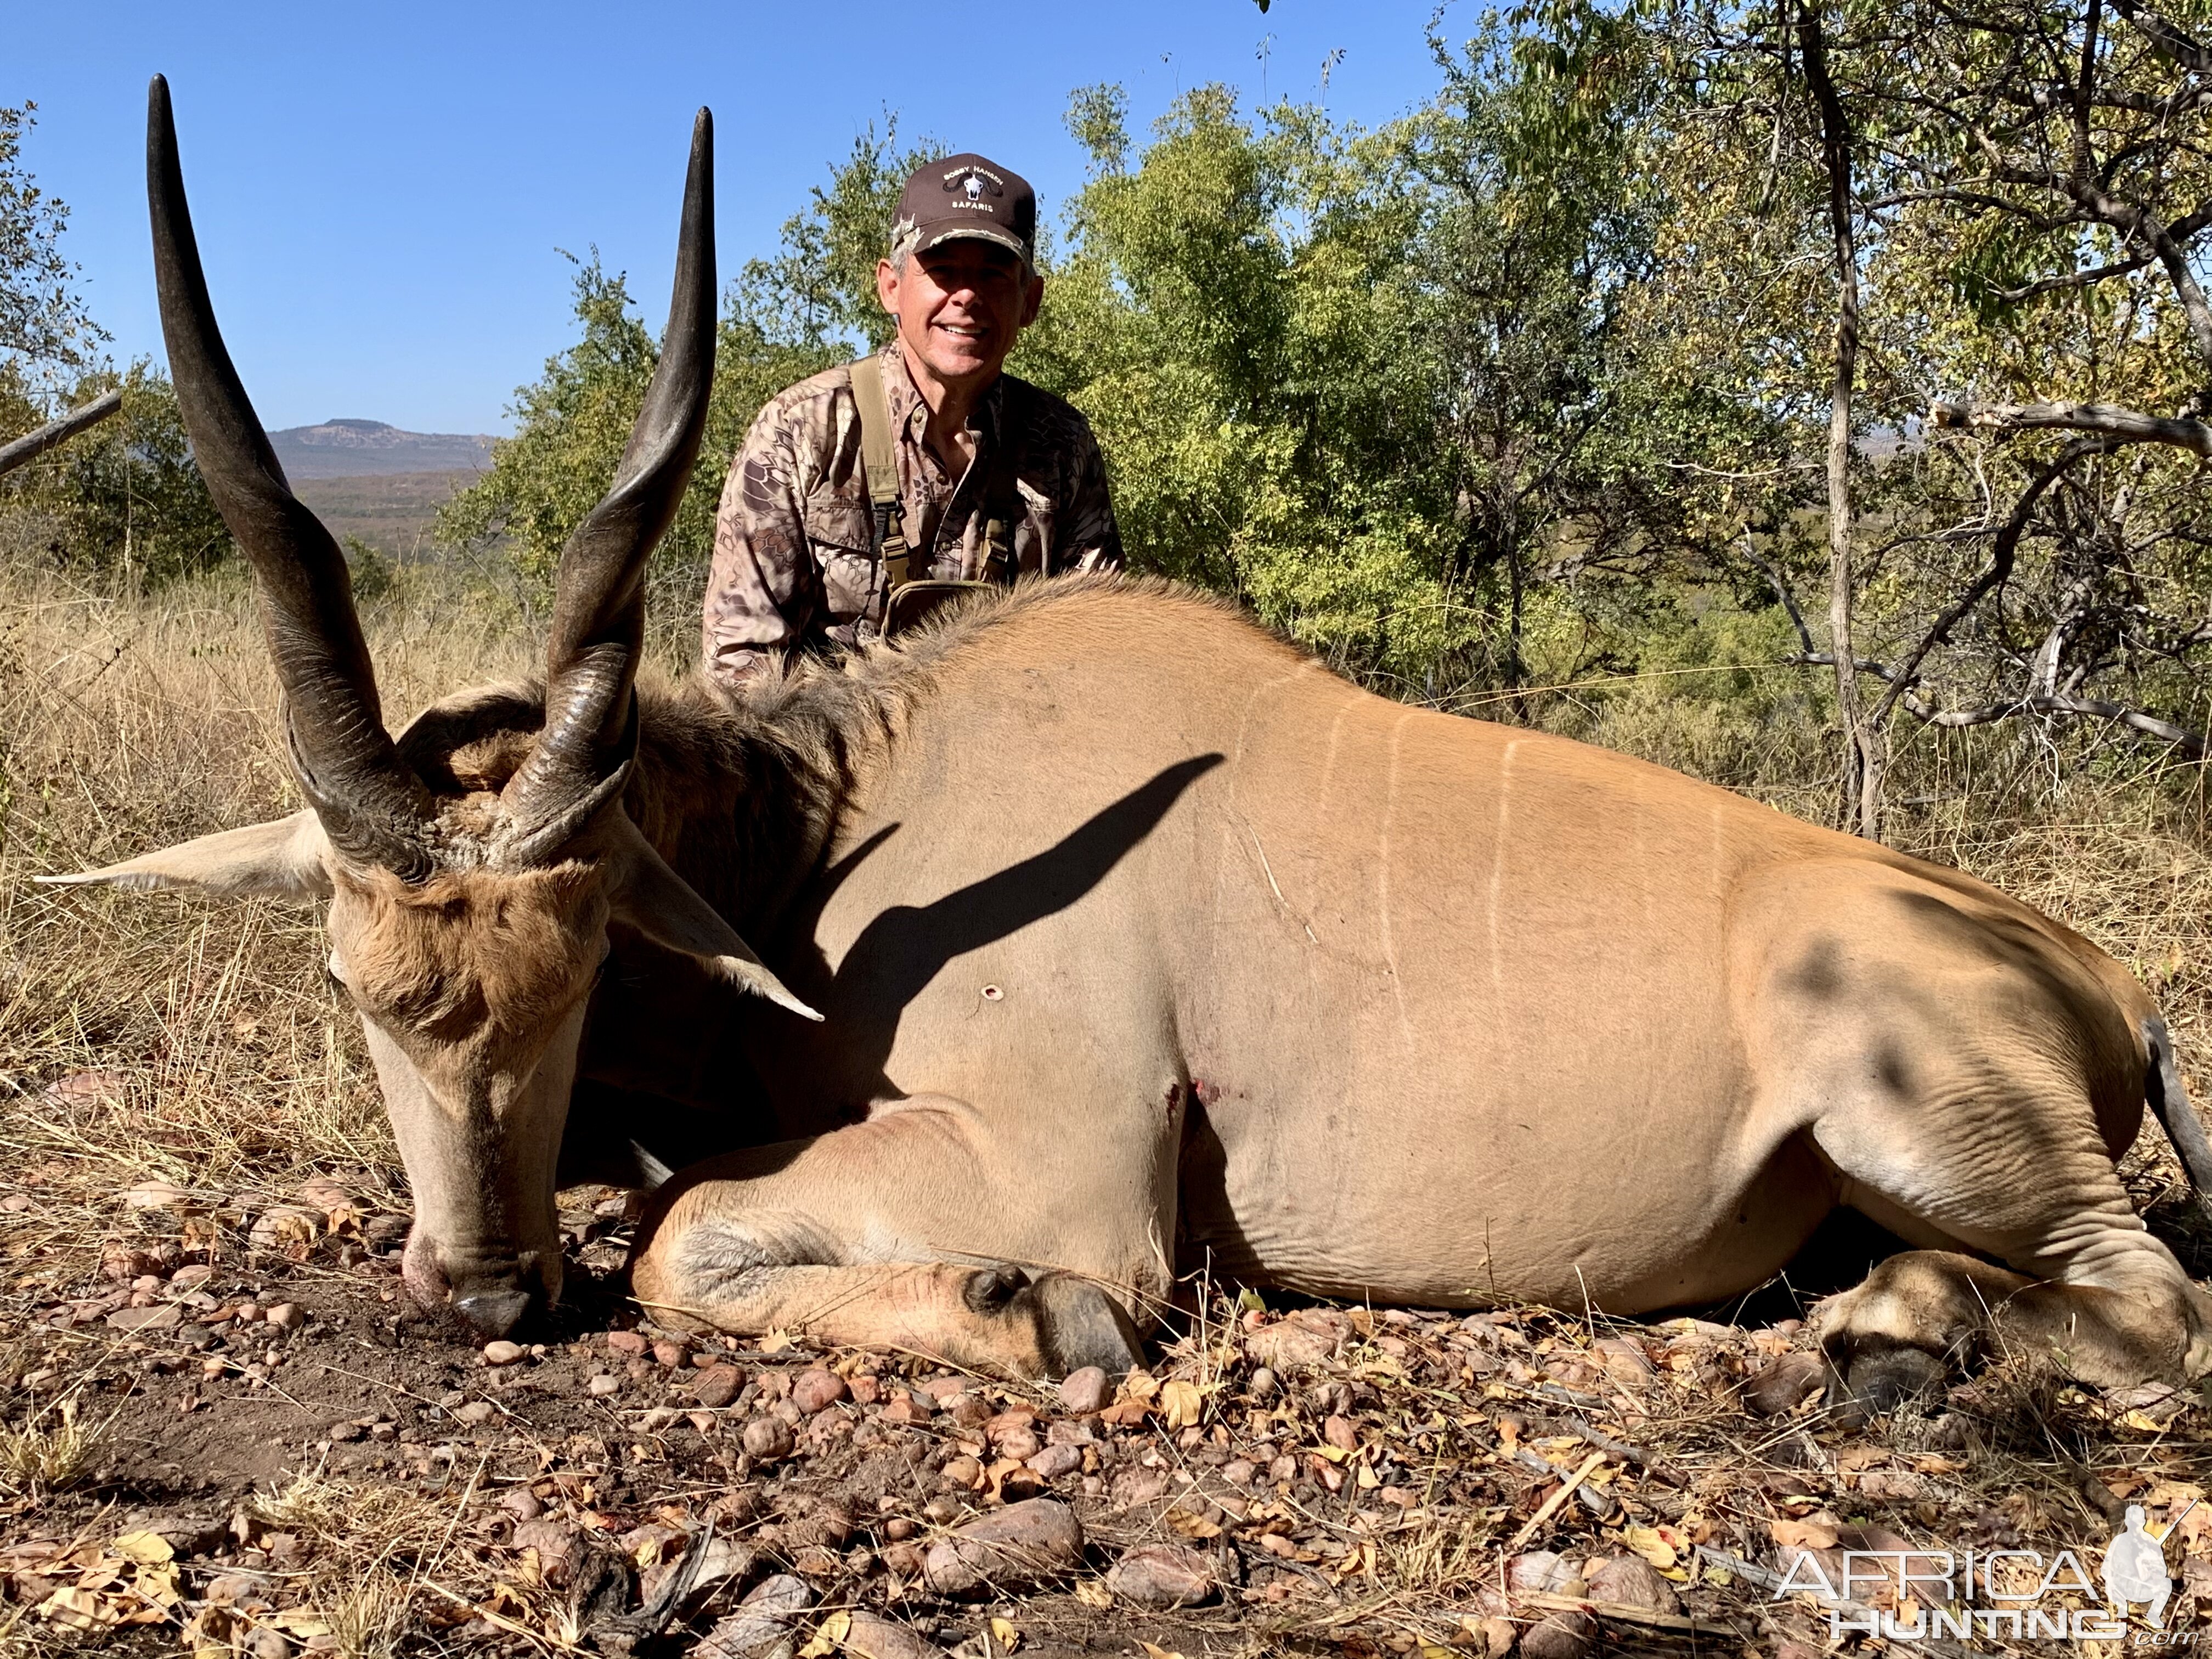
(1205, 1093)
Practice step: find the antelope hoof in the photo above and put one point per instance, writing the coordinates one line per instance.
(1883, 1380)
(491, 1314)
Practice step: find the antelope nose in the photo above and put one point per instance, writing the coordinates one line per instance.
(492, 1314)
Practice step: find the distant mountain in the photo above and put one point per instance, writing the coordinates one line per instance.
(361, 449)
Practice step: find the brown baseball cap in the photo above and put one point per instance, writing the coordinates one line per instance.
(966, 196)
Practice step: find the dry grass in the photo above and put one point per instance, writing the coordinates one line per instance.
(51, 1449)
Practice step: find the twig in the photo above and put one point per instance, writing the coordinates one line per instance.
(1622, 1613)
(1552, 1503)
(1626, 1453)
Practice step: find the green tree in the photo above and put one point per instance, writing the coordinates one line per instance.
(809, 307)
(43, 323)
(124, 496)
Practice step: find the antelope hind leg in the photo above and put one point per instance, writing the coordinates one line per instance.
(2013, 1168)
(1919, 1312)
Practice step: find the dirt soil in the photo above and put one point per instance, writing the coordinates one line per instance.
(232, 1432)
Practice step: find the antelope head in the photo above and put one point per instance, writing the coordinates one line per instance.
(469, 905)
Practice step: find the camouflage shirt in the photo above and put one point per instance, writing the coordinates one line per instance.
(793, 559)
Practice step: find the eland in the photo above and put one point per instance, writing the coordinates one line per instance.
(1103, 936)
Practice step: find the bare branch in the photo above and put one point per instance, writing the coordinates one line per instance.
(2191, 743)
(2079, 279)
(2129, 425)
(1774, 579)
(32, 444)
(1998, 569)
(2180, 47)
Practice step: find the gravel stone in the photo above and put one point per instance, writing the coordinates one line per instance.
(871, 1636)
(1562, 1635)
(628, 1344)
(503, 1353)
(1021, 1544)
(767, 1439)
(762, 1620)
(522, 1504)
(475, 1412)
(1055, 1461)
(718, 1385)
(1085, 1391)
(1162, 1576)
(1784, 1384)
(167, 1317)
(603, 1383)
(1632, 1581)
(1543, 1573)
(816, 1389)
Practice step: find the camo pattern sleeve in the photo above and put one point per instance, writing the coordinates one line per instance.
(764, 587)
(1085, 535)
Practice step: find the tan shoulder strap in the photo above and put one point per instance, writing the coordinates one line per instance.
(879, 462)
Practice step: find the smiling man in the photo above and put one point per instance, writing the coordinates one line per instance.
(868, 493)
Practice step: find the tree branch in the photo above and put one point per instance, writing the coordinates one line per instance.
(2129, 425)
(1998, 569)
(2191, 743)
(2079, 279)
(2180, 47)
(32, 444)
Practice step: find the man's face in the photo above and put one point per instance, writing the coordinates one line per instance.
(960, 306)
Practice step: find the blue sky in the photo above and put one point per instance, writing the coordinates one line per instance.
(379, 189)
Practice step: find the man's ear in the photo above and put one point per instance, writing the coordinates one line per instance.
(648, 896)
(282, 858)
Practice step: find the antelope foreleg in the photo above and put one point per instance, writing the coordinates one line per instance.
(878, 1235)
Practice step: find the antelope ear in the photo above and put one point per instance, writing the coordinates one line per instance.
(660, 904)
(282, 858)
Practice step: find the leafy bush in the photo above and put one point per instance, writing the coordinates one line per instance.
(124, 496)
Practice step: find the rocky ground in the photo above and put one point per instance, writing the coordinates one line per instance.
(226, 1429)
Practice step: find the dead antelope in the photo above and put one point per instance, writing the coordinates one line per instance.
(1141, 942)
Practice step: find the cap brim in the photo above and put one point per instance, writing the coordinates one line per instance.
(967, 230)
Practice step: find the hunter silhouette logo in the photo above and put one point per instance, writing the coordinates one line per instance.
(2135, 1569)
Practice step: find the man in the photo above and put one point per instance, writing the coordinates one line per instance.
(993, 477)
